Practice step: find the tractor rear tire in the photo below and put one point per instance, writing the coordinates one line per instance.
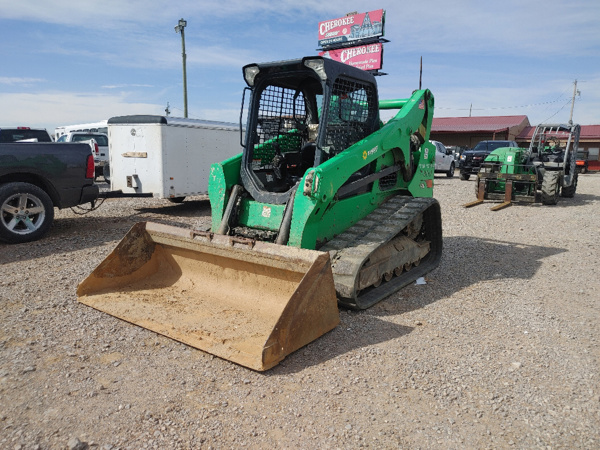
(550, 187)
(569, 191)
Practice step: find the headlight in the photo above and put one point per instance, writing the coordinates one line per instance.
(317, 65)
(250, 72)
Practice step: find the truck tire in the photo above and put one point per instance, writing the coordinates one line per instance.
(569, 191)
(464, 176)
(550, 187)
(26, 212)
(450, 172)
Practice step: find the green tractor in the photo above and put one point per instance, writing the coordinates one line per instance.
(542, 173)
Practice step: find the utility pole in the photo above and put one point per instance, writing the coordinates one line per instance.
(421, 73)
(179, 28)
(575, 92)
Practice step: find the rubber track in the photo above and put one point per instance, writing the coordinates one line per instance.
(352, 248)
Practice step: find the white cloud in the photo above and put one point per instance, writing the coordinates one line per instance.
(529, 43)
(532, 27)
(122, 86)
(116, 13)
(13, 81)
(49, 110)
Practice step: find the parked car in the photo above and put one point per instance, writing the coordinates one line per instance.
(470, 161)
(24, 134)
(444, 159)
(101, 158)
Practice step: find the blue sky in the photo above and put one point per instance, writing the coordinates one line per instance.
(67, 62)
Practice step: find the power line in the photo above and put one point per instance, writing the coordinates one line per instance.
(179, 109)
(558, 99)
(503, 107)
(561, 108)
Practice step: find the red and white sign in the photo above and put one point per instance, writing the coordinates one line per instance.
(365, 57)
(355, 27)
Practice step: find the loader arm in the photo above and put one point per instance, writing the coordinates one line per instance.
(320, 213)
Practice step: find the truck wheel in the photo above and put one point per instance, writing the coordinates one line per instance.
(464, 176)
(450, 172)
(569, 191)
(550, 187)
(176, 199)
(26, 212)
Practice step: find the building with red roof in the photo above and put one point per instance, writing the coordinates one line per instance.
(468, 131)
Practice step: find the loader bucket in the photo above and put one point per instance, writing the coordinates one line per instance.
(249, 302)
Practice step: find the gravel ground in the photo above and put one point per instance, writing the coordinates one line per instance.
(499, 349)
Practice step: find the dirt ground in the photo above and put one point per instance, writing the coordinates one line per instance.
(498, 349)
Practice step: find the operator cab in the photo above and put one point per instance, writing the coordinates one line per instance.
(301, 113)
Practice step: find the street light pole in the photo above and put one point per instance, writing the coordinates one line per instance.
(179, 28)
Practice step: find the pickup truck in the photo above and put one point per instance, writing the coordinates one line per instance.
(36, 177)
(444, 159)
(100, 144)
(24, 134)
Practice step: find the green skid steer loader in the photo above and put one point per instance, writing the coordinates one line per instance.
(325, 205)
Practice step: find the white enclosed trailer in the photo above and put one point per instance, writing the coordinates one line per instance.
(167, 157)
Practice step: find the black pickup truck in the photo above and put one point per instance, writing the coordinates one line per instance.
(35, 177)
